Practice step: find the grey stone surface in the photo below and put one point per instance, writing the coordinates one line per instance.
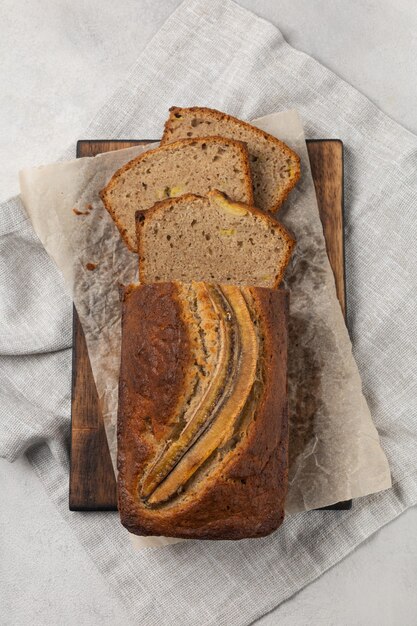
(60, 61)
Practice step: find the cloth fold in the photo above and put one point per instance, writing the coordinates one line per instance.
(203, 55)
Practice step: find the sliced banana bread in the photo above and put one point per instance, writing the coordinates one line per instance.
(275, 167)
(202, 420)
(211, 239)
(189, 165)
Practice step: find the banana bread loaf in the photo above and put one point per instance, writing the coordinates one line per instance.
(202, 423)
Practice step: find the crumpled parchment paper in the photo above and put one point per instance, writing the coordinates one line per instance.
(335, 452)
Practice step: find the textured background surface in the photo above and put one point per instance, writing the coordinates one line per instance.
(60, 61)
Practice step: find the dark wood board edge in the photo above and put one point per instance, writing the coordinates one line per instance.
(339, 264)
(330, 196)
(92, 483)
(92, 147)
(86, 499)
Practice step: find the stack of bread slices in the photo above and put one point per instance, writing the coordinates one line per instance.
(202, 423)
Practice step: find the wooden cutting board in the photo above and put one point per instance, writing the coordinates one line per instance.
(92, 482)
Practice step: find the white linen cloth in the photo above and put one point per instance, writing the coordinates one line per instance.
(220, 55)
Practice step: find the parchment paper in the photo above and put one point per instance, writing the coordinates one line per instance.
(335, 452)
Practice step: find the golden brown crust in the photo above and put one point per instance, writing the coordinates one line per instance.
(159, 207)
(243, 496)
(104, 193)
(257, 132)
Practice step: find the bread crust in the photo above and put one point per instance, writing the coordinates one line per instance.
(257, 132)
(104, 193)
(159, 207)
(243, 496)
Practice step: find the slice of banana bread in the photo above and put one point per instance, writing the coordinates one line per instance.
(202, 421)
(189, 165)
(211, 239)
(275, 167)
